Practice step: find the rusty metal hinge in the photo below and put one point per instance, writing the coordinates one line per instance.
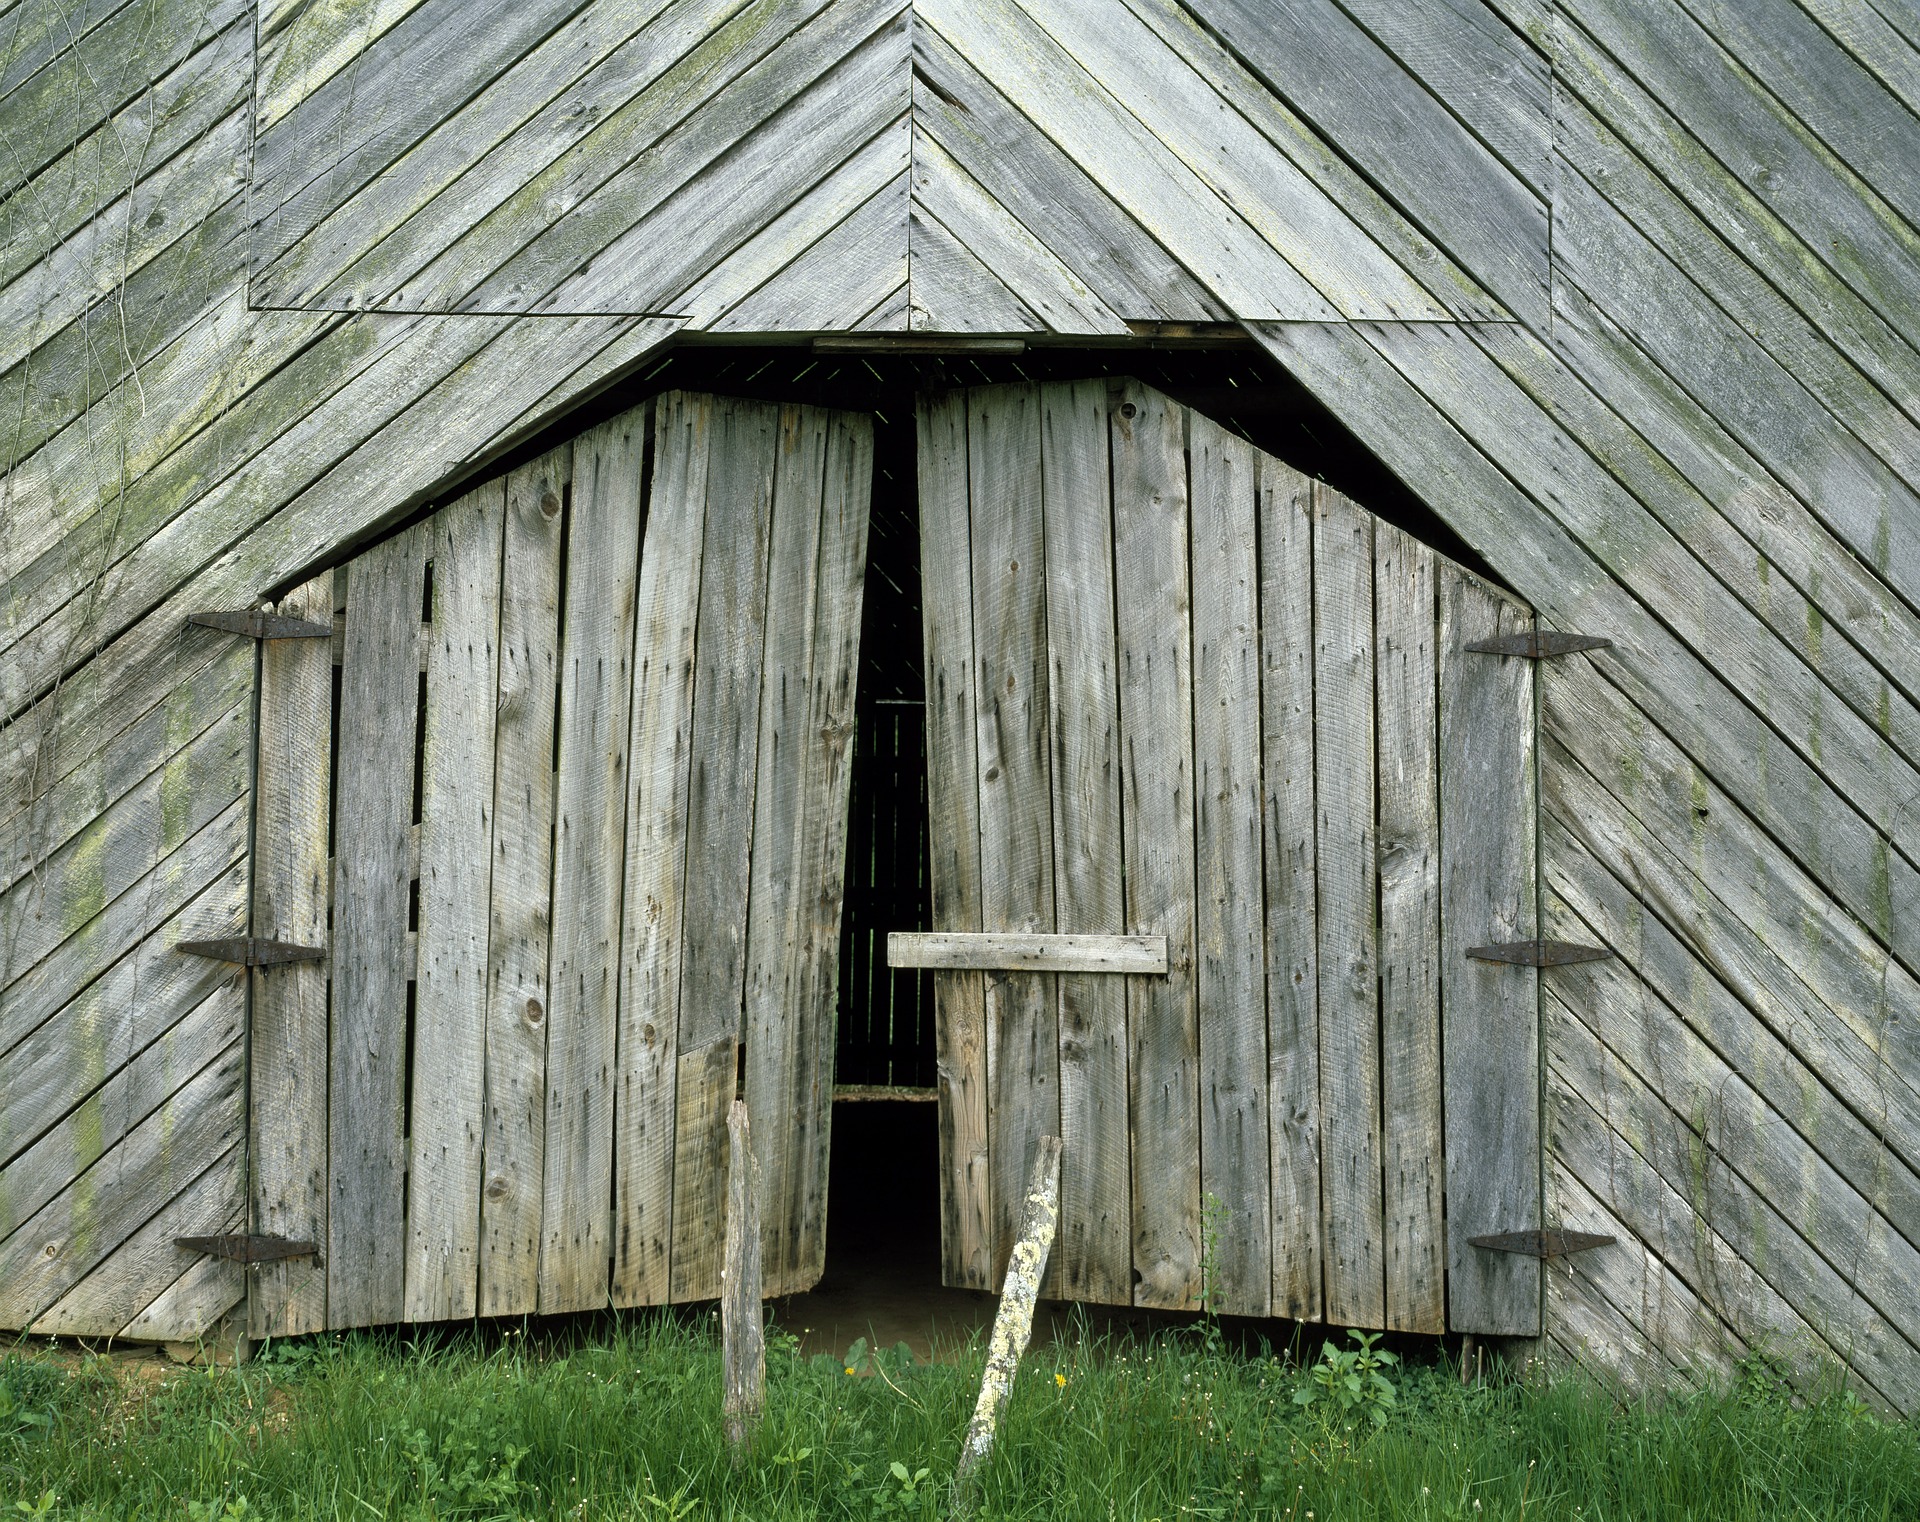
(1538, 953)
(258, 624)
(239, 1247)
(1540, 645)
(252, 950)
(1542, 1244)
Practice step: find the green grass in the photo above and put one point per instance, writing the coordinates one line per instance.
(1172, 1428)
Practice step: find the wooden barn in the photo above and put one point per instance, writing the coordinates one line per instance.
(1341, 577)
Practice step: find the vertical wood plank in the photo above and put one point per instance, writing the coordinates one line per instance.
(1344, 749)
(1016, 825)
(590, 786)
(1293, 959)
(287, 1063)
(825, 796)
(727, 657)
(953, 809)
(379, 696)
(518, 920)
(1094, 1260)
(456, 851)
(659, 755)
(1404, 630)
(1152, 596)
(1490, 1038)
(772, 1024)
(1230, 974)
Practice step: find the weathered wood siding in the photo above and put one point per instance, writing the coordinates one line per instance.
(1697, 434)
(1709, 454)
(1182, 655)
(519, 1114)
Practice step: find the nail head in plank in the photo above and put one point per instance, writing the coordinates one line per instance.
(995, 951)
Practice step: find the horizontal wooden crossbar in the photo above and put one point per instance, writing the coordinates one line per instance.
(1005, 951)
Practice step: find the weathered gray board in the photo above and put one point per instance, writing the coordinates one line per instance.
(1127, 601)
(1715, 422)
(539, 1008)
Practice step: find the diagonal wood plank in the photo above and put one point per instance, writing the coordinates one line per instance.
(114, 1020)
(314, 155)
(1191, 123)
(944, 193)
(720, 212)
(1339, 77)
(88, 1125)
(725, 94)
(189, 891)
(839, 279)
(594, 92)
(952, 290)
(145, 1267)
(69, 888)
(1320, 161)
(1076, 109)
(69, 1236)
(826, 257)
(1046, 192)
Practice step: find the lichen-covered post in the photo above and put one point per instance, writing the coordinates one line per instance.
(1013, 1325)
(742, 1336)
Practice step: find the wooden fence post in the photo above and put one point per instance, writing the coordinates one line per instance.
(1013, 1325)
(742, 1336)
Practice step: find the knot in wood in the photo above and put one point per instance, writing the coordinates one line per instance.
(498, 1187)
(549, 503)
(535, 1013)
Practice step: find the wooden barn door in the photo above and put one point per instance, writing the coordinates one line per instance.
(1174, 688)
(584, 824)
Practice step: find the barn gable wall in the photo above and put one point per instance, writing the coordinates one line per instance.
(1625, 291)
